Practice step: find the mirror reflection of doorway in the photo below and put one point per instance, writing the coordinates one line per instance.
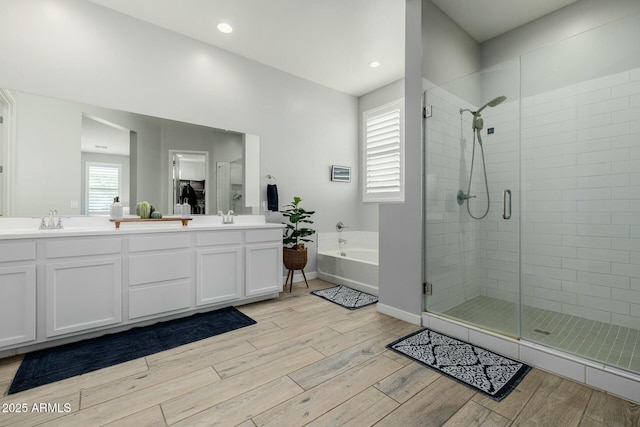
(229, 186)
(189, 172)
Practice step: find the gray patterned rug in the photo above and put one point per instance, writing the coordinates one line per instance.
(346, 297)
(485, 371)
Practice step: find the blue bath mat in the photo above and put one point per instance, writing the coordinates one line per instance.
(483, 370)
(57, 363)
(346, 297)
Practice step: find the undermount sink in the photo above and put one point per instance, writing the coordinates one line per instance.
(62, 230)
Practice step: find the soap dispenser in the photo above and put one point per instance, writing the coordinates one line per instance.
(186, 209)
(177, 209)
(116, 211)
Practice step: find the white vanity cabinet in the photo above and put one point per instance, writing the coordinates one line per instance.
(58, 285)
(263, 254)
(82, 284)
(219, 266)
(18, 291)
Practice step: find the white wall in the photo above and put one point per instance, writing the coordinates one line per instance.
(448, 51)
(436, 49)
(567, 22)
(400, 271)
(77, 50)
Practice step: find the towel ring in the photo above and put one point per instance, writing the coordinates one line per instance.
(271, 179)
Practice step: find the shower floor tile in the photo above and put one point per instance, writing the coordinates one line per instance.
(610, 344)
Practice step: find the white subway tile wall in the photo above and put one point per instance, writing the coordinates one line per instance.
(581, 199)
(579, 148)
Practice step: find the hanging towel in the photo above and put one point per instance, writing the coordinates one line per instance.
(272, 197)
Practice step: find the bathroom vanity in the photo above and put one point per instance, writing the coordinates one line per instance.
(89, 278)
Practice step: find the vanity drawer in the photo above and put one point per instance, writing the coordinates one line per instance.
(62, 248)
(213, 238)
(255, 236)
(157, 243)
(159, 267)
(158, 299)
(25, 251)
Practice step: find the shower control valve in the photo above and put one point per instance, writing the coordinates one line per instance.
(461, 197)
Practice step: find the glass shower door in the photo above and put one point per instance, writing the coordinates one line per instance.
(472, 188)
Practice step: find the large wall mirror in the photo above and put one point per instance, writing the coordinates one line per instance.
(75, 158)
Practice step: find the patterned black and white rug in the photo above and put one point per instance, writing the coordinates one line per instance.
(487, 372)
(346, 297)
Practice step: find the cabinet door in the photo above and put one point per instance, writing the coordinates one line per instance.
(263, 268)
(17, 305)
(82, 295)
(219, 275)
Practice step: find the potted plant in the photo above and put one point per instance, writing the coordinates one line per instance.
(295, 234)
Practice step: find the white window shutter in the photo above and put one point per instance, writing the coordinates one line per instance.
(103, 185)
(383, 154)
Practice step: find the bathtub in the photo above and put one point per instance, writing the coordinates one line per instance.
(354, 267)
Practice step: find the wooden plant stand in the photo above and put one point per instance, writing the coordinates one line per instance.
(290, 275)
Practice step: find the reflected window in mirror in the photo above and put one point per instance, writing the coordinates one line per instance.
(103, 183)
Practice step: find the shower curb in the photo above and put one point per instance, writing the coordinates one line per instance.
(611, 380)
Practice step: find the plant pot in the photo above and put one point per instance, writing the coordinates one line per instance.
(294, 259)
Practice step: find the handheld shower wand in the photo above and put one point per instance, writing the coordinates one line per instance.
(477, 125)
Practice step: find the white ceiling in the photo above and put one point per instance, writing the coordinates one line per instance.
(330, 42)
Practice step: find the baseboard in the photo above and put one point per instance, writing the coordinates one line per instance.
(359, 286)
(399, 314)
(298, 277)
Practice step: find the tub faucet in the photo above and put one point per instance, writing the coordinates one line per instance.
(342, 241)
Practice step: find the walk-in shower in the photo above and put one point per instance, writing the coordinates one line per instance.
(477, 124)
(563, 272)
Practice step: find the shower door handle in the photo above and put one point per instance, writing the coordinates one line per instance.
(506, 204)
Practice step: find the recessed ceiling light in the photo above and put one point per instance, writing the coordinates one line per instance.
(375, 64)
(223, 27)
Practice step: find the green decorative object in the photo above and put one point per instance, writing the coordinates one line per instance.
(295, 231)
(143, 210)
(156, 215)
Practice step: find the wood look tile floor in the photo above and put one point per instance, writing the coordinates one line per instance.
(306, 362)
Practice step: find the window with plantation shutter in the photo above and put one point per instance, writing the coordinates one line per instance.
(383, 154)
(102, 184)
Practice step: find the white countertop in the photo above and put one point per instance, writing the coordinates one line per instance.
(22, 228)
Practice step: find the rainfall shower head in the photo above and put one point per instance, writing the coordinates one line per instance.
(492, 103)
(477, 122)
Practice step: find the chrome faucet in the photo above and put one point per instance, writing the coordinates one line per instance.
(342, 241)
(49, 222)
(228, 218)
